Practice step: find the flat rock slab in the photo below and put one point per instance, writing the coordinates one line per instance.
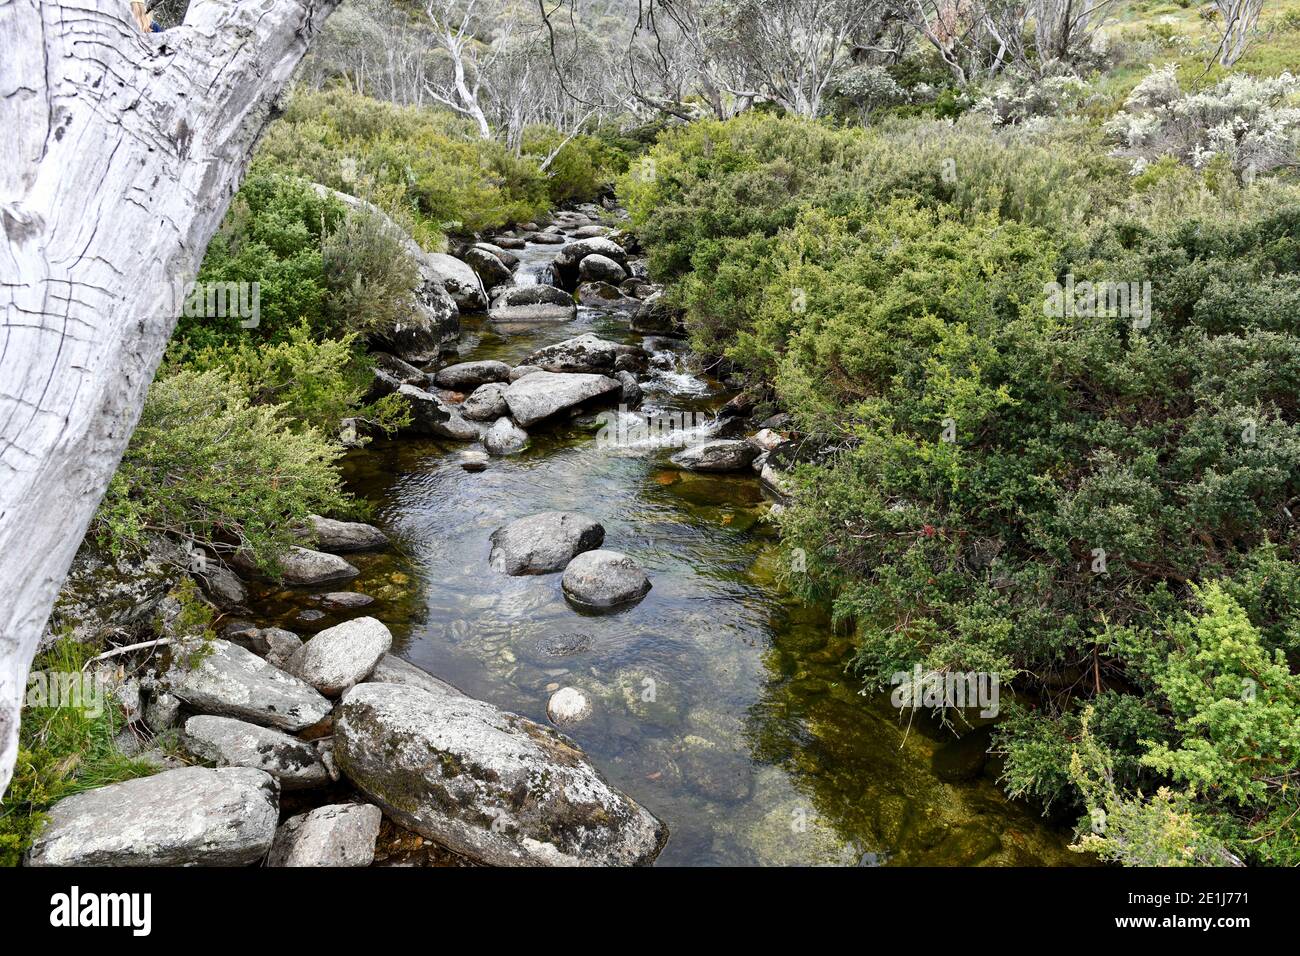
(542, 543)
(542, 394)
(342, 834)
(191, 816)
(721, 455)
(490, 785)
(227, 742)
(341, 656)
(344, 536)
(233, 682)
(604, 579)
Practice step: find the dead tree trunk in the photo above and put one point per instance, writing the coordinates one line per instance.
(119, 155)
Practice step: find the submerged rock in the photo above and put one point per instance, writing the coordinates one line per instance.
(568, 706)
(719, 455)
(234, 682)
(191, 816)
(542, 394)
(542, 543)
(604, 579)
(227, 742)
(341, 656)
(342, 834)
(492, 786)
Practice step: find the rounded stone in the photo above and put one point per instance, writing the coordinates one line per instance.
(604, 579)
(568, 706)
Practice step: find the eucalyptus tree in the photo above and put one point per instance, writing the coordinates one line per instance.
(121, 153)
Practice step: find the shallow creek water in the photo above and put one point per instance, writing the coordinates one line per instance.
(721, 701)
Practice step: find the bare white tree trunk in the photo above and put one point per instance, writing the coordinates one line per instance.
(119, 155)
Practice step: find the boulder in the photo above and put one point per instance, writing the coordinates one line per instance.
(631, 393)
(342, 537)
(461, 282)
(304, 567)
(569, 259)
(508, 242)
(765, 439)
(274, 643)
(103, 595)
(505, 438)
(519, 371)
(590, 232)
(233, 682)
(720, 455)
(341, 656)
(607, 298)
(542, 543)
(604, 579)
(489, 267)
(489, 785)
(222, 585)
(431, 416)
(466, 376)
(227, 742)
(508, 259)
(191, 816)
(391, 373)
(342, 834)
(486, 404)
(547, 238)
(533, 303)
(598, 268)
(582, 353)
(542, 394)
(394, 670)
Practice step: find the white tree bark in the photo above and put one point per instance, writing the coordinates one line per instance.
(119, 155)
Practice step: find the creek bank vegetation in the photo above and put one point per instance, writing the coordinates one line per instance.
(859, 230)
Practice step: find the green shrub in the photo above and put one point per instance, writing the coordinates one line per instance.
(370, 275)
(61, 751)
(206, 464)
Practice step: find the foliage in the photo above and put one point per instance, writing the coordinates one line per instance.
(1101, 464)
(1252, 124)
(62, 750)
(205, 464)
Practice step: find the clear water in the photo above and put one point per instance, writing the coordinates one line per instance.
(721, 701)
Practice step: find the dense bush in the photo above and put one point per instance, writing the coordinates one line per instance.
(1096, 507)
(206, 464)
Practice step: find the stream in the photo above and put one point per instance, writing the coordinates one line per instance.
(722, 702)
